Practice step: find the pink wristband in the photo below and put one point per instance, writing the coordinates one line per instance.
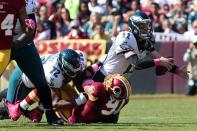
(30, 23)
(157, 62)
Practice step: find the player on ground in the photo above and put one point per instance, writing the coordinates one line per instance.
(59, 69)
(129, 49)
(104, 99)
(23, 49)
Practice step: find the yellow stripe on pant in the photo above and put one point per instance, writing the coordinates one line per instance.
(68, 92)
(4, 59)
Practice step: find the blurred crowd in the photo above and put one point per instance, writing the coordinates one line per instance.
(102, 19)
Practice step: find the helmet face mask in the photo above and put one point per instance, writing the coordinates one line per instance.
(69, 70)
(83, 59)
(140, 25)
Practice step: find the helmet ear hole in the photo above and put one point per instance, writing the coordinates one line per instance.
(117, 91)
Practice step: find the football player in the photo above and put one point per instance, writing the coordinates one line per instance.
(23, 50)
(59, 69)
(129, 49)
(104, 99)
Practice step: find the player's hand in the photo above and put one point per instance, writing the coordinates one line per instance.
(183, 72)
(81, 99)
(166, 62)
(30, 24)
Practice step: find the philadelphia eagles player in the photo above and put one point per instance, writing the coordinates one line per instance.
(59, 69)
(130, 47)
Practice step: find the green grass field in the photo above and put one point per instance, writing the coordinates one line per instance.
(143, 113)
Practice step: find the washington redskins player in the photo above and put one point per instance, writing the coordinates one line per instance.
(10, 10)
(104, 99)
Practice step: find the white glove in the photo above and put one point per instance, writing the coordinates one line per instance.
(81, 99)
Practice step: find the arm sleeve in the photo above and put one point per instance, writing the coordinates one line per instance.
(142, 64)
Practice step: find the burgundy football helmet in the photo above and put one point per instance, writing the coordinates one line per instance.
(119, 87)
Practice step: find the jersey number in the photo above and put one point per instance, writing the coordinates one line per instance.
(55, 72)
(113, 107)
(8, 24)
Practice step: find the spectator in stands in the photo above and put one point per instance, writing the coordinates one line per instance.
(167, 27)
(135, 5)
(181, 27)
(84, 13)
(100, 34)
(56, 16)
(155, 17)
(75, 31)
(122, 5)
(73, 7)
(190, 57)
(46, 29)
(116, 24)
(64, 23)
(193, 15)
(193, 32)
(178, 14)
(108, 9)
(89, 27)
(165, 9)
(95, 7)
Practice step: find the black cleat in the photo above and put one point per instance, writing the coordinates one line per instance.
(52, 118)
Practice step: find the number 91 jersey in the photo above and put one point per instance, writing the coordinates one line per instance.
(99, 106)
(9, 12)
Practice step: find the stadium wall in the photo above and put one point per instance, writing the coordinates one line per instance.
(143, 82)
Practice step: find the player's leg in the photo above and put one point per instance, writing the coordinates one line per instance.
(14, 83)
(19, 98)
(4, 60)
(10, 92)
(29, 62)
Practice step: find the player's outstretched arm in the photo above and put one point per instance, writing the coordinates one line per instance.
(60, 104)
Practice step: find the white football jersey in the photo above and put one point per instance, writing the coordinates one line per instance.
(52, 71)
(115, 61)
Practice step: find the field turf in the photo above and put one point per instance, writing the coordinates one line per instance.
(143, 113)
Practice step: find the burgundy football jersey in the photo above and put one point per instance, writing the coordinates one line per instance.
(8, 16)
(96, 111)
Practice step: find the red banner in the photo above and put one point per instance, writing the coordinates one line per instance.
(94, 49)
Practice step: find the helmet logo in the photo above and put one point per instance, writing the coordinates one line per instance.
(117, 91)
(136, 18)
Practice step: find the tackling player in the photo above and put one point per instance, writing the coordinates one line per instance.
(129, 49)
(104, 99)
(59, 68)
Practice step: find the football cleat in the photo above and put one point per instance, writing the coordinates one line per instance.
(35, 115)
(52, 118)
(14, 110)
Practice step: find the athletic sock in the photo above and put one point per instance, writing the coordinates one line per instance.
(30, 99)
